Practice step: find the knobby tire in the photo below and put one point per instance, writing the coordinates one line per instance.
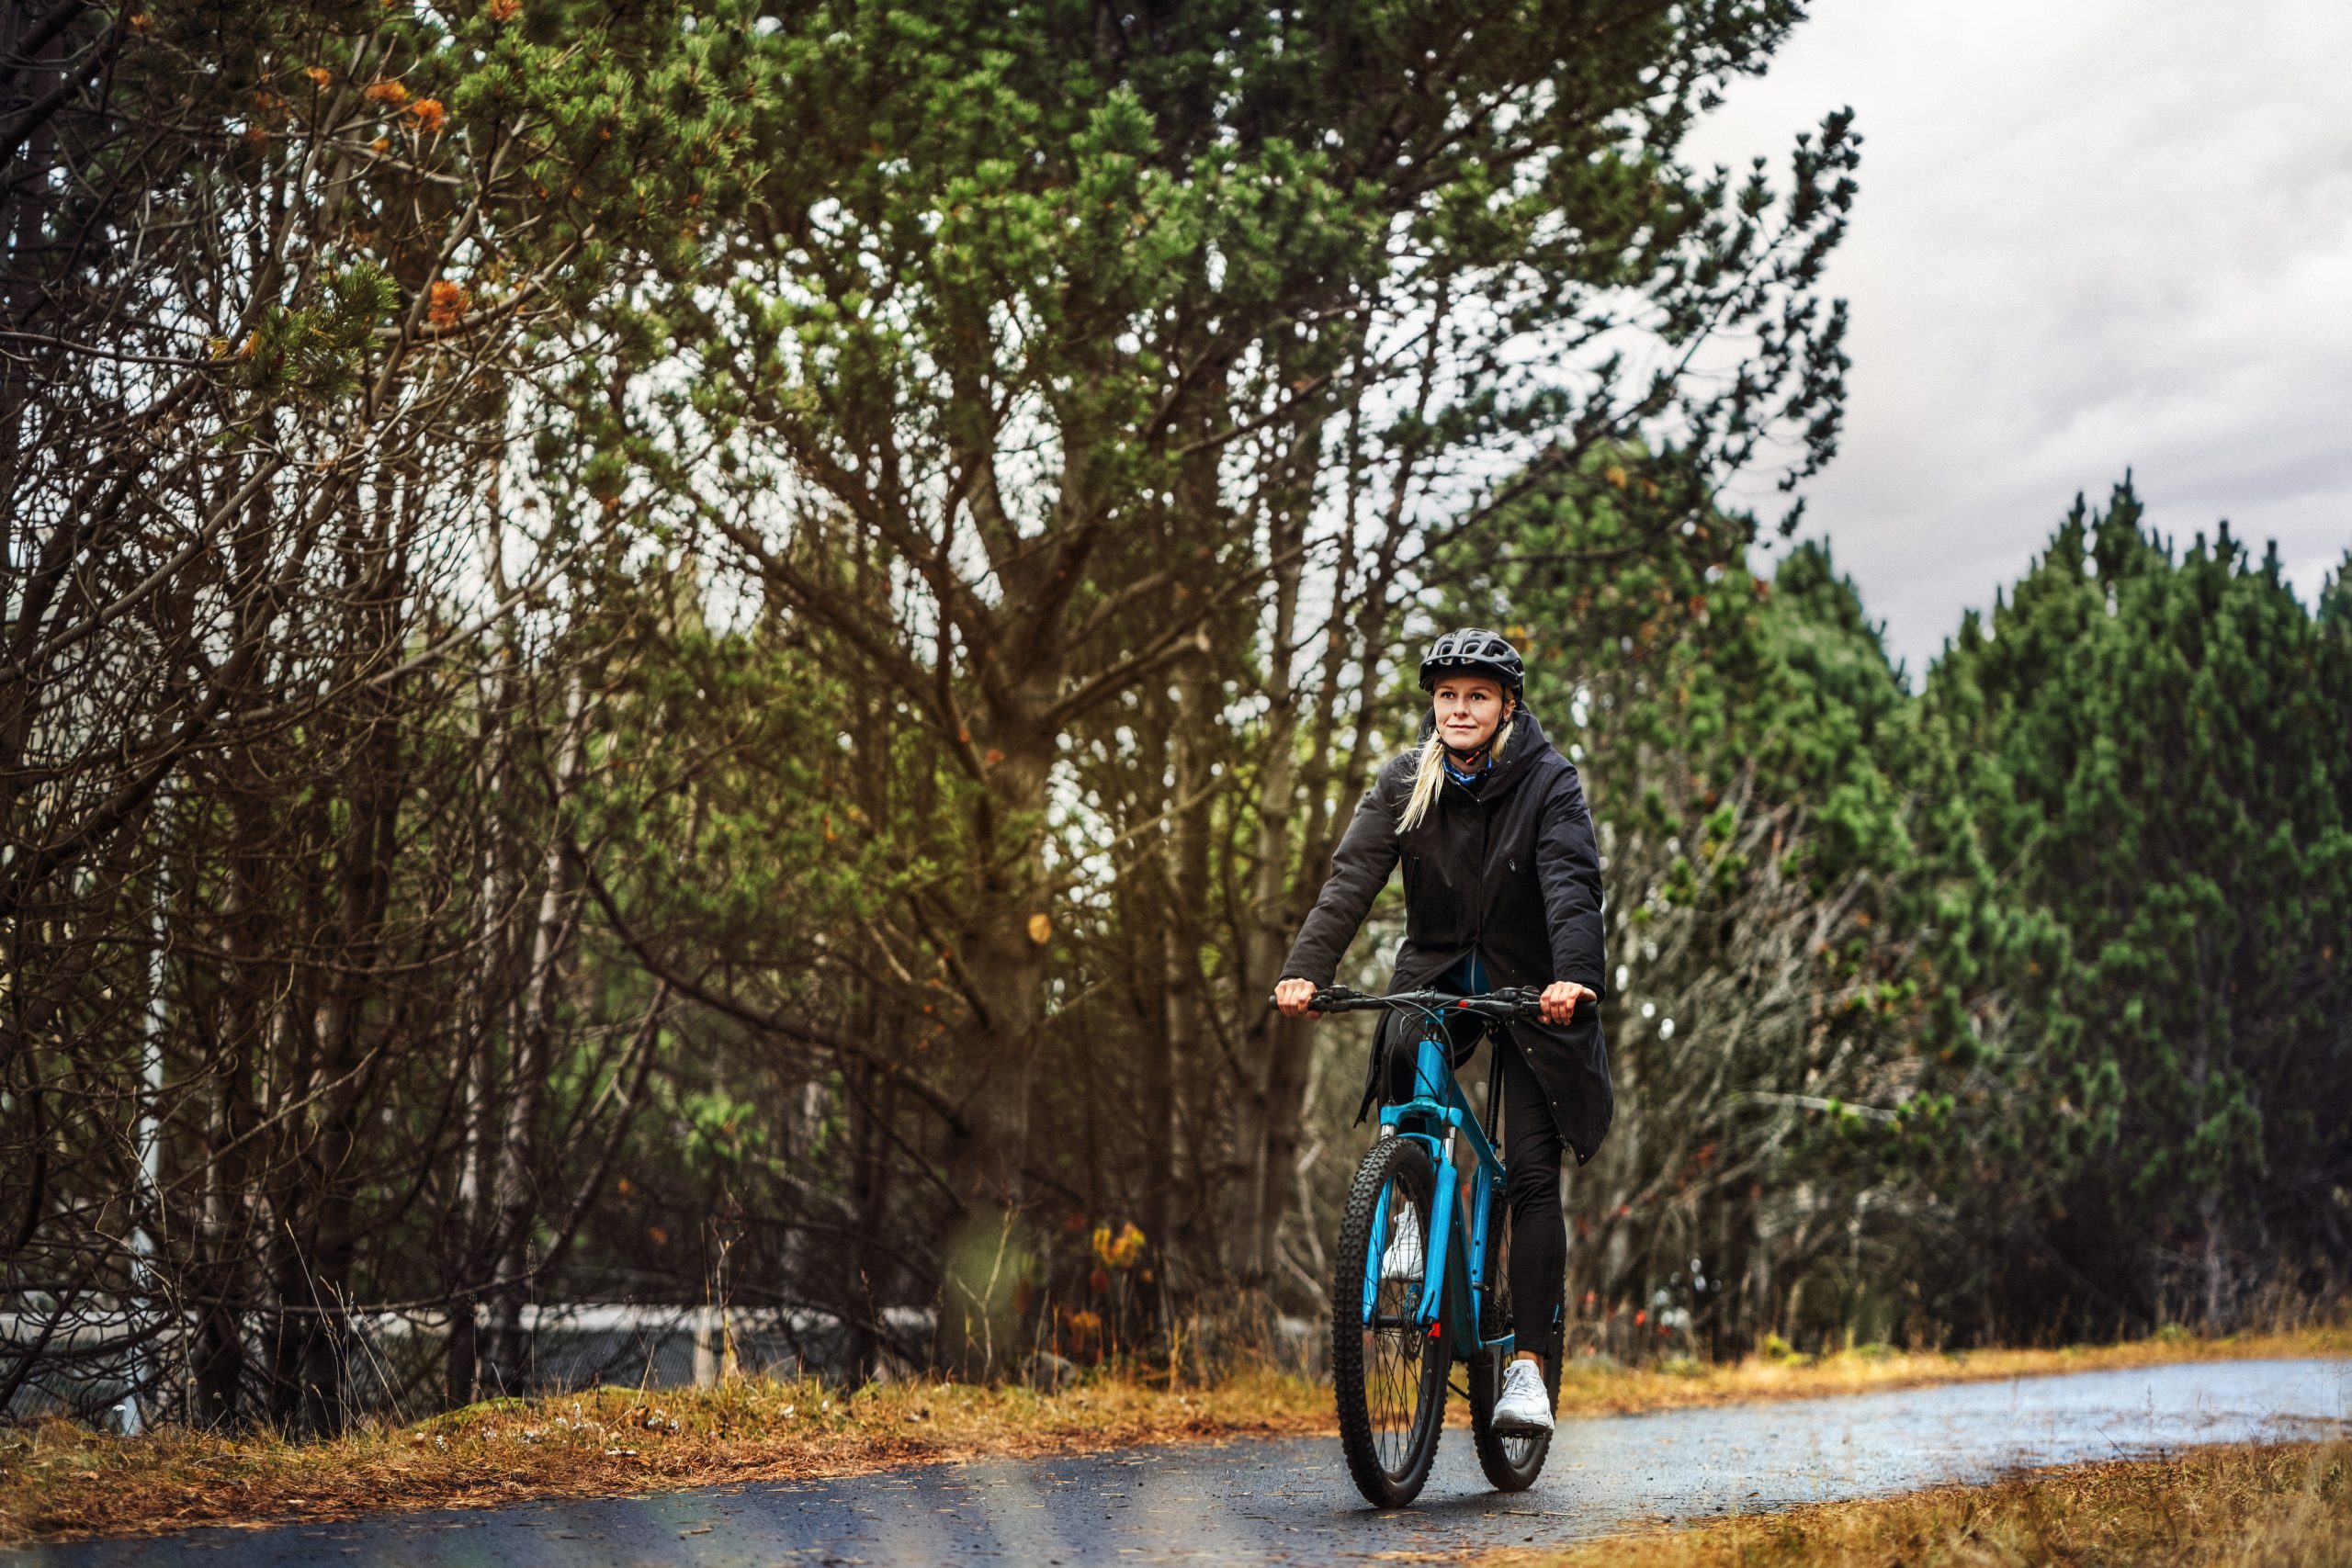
(1389, 1447)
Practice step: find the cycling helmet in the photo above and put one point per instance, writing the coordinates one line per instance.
(1473, 651)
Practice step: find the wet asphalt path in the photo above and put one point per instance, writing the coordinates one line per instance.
(1289, 1500)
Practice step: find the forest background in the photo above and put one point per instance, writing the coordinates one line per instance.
(704, 652)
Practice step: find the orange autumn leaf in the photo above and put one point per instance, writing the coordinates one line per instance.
(448, 304)
(390, 94)
(430, 115)
(1041, 929)
(320, 75)
(505, 10)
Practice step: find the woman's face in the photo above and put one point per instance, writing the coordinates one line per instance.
(1468, 708)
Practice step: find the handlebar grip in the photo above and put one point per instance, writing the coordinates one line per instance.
(1327, 999)
(1509, 1002)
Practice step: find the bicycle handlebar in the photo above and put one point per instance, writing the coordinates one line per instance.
(1510, 1003)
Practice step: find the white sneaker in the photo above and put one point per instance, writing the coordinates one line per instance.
(1403, 1258)
(1523, 1406)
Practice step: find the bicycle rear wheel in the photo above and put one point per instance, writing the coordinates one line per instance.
(1512, 1460)
(1388, 1373)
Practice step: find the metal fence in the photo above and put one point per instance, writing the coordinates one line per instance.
(107, 1363)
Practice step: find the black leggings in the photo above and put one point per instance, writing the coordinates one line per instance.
(1532, 1148)
(1539, 1237)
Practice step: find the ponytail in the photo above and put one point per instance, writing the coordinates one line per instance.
(1427, 776)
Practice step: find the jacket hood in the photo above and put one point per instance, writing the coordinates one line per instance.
(1526, 745)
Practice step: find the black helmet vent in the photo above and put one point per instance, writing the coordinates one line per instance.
(1473, 651)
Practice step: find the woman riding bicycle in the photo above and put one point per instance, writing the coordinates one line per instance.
(1502, 888)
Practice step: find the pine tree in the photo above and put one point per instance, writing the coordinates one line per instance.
(2162, 775)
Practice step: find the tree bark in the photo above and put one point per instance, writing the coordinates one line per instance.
(219, 1351)
(519, 1155)
(1268, 1125)
(471, 1225)
(984, 1284)
(1185, 1002)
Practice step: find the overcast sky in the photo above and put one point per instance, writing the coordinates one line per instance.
(2092, 235)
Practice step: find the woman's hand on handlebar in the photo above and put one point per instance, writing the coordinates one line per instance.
(1292, 997)
(1561, 999)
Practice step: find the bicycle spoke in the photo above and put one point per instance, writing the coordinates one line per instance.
(1388, 1375)
(1393, 1348)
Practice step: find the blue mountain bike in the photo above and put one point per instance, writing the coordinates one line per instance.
(1421, 1277)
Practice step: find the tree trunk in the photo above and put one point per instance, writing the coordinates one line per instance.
(218, 1354)
(1184, 1002)
(347, 1051)
(1149, 1194)
(23, 204)
(1268, 1125)
(2213, 1260)
(518, 1166)
(985, 1280)
(471, 1225)
(869, 1106)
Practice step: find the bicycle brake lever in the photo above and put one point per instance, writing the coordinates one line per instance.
(1515, 1001)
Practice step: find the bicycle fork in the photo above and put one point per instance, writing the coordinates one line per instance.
(1438, 1251)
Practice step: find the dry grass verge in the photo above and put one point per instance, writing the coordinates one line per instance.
(58, 1482)
(2287, 1507)
(1590, 1387)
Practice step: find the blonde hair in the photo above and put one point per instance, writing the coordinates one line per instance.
(1428, 773)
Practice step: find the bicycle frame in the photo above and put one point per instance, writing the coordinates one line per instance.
(1440, 1117)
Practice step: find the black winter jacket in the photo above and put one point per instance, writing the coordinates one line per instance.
(1509, 870)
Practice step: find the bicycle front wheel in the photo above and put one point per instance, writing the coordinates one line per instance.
(1388, 1373)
